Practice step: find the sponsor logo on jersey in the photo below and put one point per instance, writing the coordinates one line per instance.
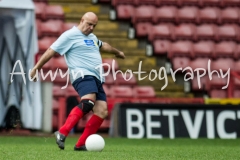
(89, 42)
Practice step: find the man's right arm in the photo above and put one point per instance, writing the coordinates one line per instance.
(44, 59)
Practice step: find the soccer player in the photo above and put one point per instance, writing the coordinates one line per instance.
(81, 49)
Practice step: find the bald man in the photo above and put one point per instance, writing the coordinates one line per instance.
(81, 49)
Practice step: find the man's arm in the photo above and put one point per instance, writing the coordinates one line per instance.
(109, 49)
(44, 59)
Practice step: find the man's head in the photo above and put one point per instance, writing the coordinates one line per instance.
(88, 22)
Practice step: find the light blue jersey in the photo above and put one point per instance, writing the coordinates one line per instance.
(81, 53)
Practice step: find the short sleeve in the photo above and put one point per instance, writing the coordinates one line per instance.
(62, 44)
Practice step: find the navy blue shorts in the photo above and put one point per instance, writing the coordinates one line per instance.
(89, 84)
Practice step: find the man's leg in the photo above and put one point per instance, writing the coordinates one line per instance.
(100, 112)
(86, 105)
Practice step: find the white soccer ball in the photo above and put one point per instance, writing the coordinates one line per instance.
(95, 142)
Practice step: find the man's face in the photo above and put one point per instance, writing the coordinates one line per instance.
(88, 25)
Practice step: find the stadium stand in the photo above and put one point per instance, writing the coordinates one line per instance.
(230, 3)
(180, 48)
(204, 49)
(121, 91)
(180, 62)
(54, 12)
(125, 11)
(40, 10)
(126, 79)
(209, 15)
(143, 13)
(186, 33)
(230, 15)
(187, 14)
(165, 14)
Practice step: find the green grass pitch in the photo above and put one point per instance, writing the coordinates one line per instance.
(24, 148)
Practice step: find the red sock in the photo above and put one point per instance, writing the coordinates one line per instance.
(71, 121)
(91, 127)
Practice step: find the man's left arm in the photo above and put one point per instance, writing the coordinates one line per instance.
(109, 49)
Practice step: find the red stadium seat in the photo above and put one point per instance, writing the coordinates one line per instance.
(106, 90)
(189, 2)
(237, 66)
(231, 3)
(70, 91)
(230, 15)
(180, 62)
(59, 62)
(125, 11)
(187, 14)
(121, 91)
(125, 79)
(148, 2)
(203, 49)
(143, 13)
(218, 64)
(60, 79)
(54, 12)
(161, 31)
(228, 32)
(168, 2)
(40, 10)
(142, 29)
(236, 94)
(45, 43)
(199, 63)
(202, 83)
(184, 32)
(118, 2)
(112, 65)
(161, 46)
(180, 48)
(225, 49)
(144, 92)
(47, 66)
(216, 82)
(111, 102)
(38, 27)
(236, 82)
(58, 92)
(165, 14)
(217, 93)
(237, 53)
(210, 3)
(52, 28)
(206, 32)
(109, 79)
(209, 15)
(69, 25)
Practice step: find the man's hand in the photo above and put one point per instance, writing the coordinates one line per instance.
(33, 75)
(109, 49)
(120, 55)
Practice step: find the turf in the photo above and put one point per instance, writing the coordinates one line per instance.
(23, 148)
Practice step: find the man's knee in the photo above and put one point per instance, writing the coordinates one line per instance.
(86, 105)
